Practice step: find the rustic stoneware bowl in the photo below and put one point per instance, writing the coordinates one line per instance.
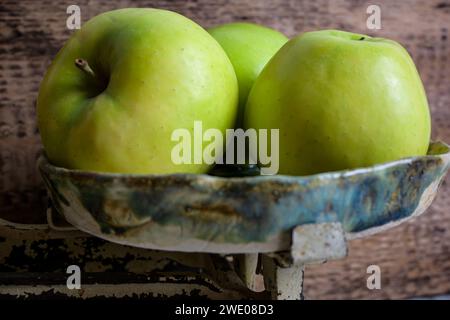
(203, 213)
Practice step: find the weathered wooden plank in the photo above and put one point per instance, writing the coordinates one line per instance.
(414, 258)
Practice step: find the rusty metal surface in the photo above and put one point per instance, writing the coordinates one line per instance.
(33, 265)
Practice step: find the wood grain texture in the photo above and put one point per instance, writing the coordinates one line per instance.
(414, 258)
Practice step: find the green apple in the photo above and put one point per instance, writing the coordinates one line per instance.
(340, 100)
(124, 82)
(249, 47)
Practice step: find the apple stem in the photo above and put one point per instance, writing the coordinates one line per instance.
(84, 66)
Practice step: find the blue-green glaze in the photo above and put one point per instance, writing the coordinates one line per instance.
(248, 209)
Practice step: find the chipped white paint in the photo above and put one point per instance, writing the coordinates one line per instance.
(283, 283)
(312, 243)
(116, 290)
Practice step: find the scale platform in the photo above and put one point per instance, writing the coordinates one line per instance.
(207, 236)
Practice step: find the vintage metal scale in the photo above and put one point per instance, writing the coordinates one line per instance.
(202, 235)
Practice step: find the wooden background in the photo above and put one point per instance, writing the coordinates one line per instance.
(414, 258)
